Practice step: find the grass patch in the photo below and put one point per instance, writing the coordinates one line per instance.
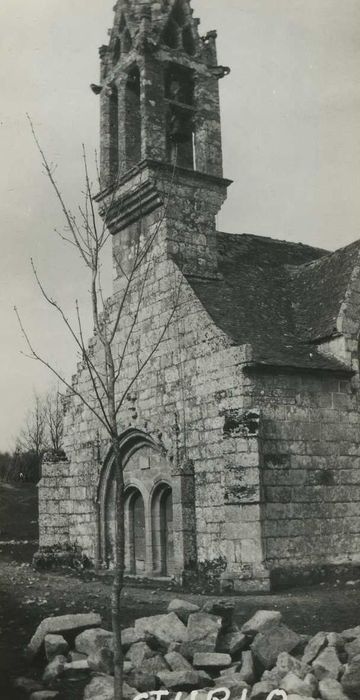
(18, 511)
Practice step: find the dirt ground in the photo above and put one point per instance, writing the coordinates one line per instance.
(26, 597)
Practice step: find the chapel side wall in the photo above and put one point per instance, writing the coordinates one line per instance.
(310, 443)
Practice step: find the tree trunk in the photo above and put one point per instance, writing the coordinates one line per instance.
(119, 573)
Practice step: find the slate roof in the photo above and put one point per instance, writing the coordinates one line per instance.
(319, 289)
(279, 297)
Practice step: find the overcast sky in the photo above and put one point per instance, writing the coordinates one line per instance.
(291, 133)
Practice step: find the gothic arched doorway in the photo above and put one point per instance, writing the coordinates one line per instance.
(162, 530)
(155, 542)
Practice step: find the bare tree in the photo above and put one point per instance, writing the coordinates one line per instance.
(54, 419)
(32, 437)
(43, 430)
(88, 238)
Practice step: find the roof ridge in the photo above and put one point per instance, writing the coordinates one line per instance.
(328, 254)
(270, 239)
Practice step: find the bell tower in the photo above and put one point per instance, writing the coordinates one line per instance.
(160, 128)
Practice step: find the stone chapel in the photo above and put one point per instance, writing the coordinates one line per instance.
(241, 435)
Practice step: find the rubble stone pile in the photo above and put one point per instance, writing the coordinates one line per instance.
(190, 649)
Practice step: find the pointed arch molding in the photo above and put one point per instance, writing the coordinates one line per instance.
(130, 441)
(180, 25)
(183, 497)
(131, 12)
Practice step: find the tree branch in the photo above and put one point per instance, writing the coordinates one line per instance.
(35, 356)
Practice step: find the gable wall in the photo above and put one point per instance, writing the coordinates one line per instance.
(177, 399)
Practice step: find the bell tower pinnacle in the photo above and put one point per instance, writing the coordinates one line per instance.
(160, 120)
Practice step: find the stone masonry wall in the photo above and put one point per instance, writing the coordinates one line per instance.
(179, 395)
(310, 443)
(55, 503)
(275, 455)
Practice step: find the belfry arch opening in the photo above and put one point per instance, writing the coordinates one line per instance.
(179, 96)
(116, 51)
(132, 118)
(123, 43)
(178, 33)
(113, 111)
(188, 40)
(171, 35)
(126, 40)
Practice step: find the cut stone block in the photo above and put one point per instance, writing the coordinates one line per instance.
(261, 621)
(164, 628)
(131, 636)
(154, 664)
(247, 670)
(102, 661)
(335, 640)
(262, 690)
(182, 608)
(128, 666)
(291, 683)
(312, 683)
(350, 681)
(76, 656)
(90, 641)
(208, 660)
(232, 682)
(80, 665)
(225, 610)
(235, 668)
(269, 644)
(232, 643)
(327, 664)
(138, 653)
(350, 634)
(55, 644)
(206, 679)
(203, 631)
(102, 688)
(54, 670)
(177, 662)
(61, 624)
(286, 663)
(330, 689)
(353, 648)
(314, 647)
(180, 680)
(273, 676)
(143, 682)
